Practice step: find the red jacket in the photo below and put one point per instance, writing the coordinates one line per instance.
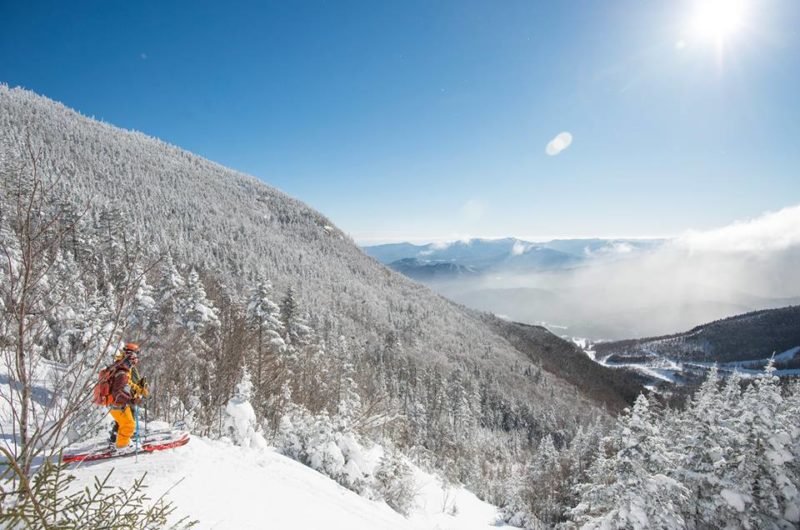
(120, 387)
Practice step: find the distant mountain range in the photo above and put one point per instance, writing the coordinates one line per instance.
(609, 289)
(431, 271)
(437, 261)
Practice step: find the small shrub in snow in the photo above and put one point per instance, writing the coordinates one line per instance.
(322, 444)
(518, 513)
(394, 483)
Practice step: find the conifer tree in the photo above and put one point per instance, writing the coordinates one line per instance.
(264, 315)
(348, 405)
(199, 313)
(629, 487)
(144, 304)
(170, 292)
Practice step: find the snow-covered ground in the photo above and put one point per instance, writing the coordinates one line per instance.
(230, 487)
(225, 486)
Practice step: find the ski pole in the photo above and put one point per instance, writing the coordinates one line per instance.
(136, 433)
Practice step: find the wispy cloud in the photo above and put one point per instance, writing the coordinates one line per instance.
(558, 144)
(612, 249)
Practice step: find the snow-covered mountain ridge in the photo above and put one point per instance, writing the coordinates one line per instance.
(237, 227)
(753, 335)
(177, 253)
(505, 255)
(742, 343)
(610, 289)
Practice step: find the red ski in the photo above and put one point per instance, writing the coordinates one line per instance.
(147, 447)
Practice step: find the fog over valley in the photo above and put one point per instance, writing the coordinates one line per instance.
(614, 289)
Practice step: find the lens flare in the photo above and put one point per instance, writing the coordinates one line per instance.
(717, 19)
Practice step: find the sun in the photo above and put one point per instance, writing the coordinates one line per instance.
(718, 19)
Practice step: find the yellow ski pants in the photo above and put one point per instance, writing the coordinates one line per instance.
(126, 425)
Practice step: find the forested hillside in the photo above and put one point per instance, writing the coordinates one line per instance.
(214, 272)
(615, 388)
(750, 336)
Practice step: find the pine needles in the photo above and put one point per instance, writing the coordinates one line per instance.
(47, 502)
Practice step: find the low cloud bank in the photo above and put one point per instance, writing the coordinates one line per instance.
(775, 231)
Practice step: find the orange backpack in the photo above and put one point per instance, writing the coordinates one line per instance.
(102, 389)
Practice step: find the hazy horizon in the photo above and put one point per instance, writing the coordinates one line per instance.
(692, 279)
(421, 241)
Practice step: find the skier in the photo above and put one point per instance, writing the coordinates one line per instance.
(127, 393)
(120, 387)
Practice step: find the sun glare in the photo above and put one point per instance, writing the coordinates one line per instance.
(717, 19)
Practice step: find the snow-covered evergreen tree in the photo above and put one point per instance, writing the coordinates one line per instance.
(394, 482)
(199, 313)
(143, 309)
(349, 401)
(241, 423)
(170, 291)
(728, 460)
(264, 316)
(630, 488)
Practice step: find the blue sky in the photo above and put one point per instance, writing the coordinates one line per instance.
(428, 120)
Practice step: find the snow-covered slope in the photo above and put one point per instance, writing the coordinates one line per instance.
(362, 351)
(228, 487)
(236, 227)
